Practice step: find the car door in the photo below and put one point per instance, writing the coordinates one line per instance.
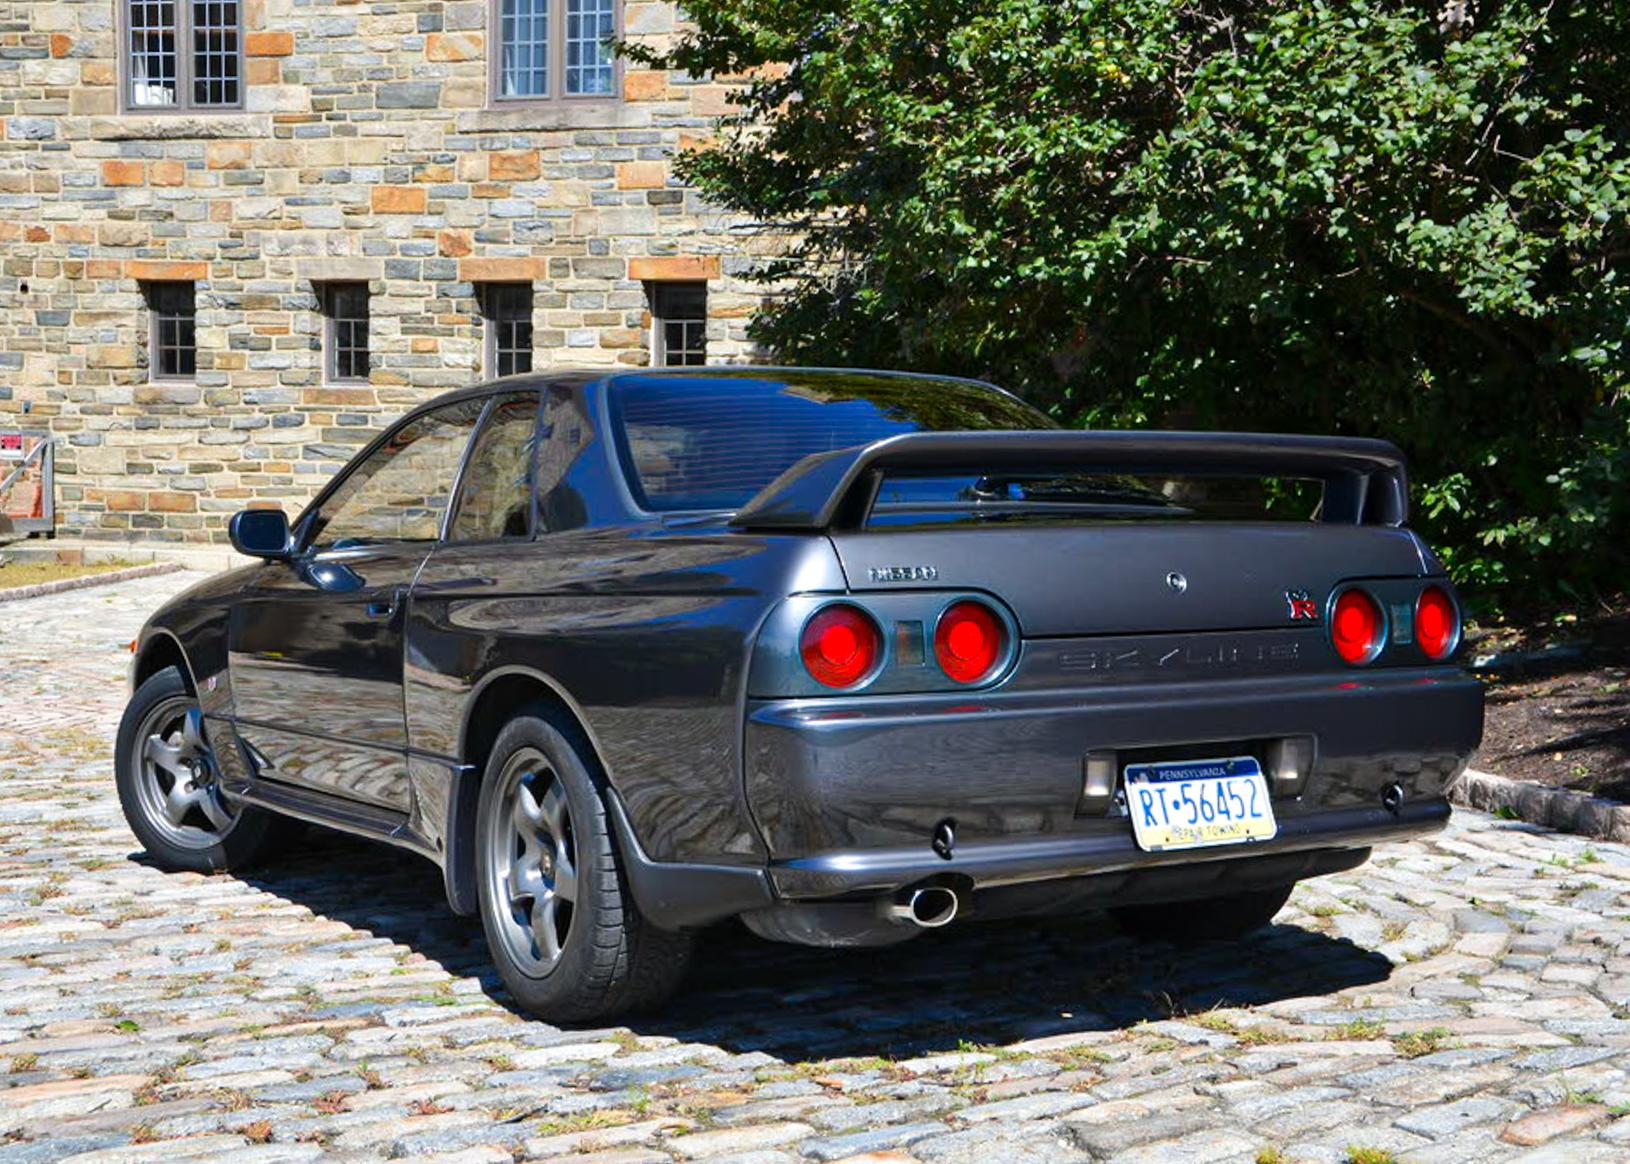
(484, 565)
(316, 641)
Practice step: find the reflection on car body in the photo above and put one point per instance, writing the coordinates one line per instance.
(845, 655)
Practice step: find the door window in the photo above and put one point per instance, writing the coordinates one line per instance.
(400, 492)
(495, 500)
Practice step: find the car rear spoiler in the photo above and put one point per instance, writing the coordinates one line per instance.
(1364, 480)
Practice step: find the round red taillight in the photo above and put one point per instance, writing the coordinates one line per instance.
(1356, 626)
(840, 645)
(969, 641)
(1437, 626)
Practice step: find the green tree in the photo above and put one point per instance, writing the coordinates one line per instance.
(1359, 216)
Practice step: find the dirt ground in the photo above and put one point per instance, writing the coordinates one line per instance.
(1559, 700)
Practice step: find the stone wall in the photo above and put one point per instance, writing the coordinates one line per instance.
(368, 150)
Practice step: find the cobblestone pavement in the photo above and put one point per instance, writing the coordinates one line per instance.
(1465, 999)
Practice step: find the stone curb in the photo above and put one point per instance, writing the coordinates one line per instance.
(40, 589)
(1557, 808)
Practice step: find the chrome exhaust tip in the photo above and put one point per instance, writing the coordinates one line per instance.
(927, 906)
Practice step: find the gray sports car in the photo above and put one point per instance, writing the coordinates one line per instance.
(846, 655)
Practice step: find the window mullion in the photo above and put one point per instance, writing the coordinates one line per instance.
(557, 48)
(183, 54)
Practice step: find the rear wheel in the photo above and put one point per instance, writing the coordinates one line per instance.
(169, 785)
(1210, 919)
(561, 926)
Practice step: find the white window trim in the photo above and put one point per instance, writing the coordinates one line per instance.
(330, 352)
(184, 105)
(557, 96)
(658, 337)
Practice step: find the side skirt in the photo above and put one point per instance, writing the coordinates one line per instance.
(349, 816)
(439, 790)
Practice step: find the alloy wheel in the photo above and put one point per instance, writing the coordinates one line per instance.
(532, 863)
(180, 794)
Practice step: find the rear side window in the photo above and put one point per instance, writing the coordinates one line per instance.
(1076, 496)
(495, 500)
(713, 442)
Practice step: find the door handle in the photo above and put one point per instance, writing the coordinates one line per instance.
(383, 605)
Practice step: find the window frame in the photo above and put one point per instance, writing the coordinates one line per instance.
(150, 289)
(491, 324)
(557, 95)
(184, 62)
(659, 339)
(304, 531)
(326, 292)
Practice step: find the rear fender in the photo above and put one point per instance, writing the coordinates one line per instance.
(672, 895)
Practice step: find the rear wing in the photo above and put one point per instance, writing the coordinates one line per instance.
(1364, 480)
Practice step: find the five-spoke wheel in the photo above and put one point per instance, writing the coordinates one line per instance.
(170, 788)
(565, 933)
(534, 865)
(178, 784)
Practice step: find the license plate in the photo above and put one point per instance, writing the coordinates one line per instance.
(1191, 804)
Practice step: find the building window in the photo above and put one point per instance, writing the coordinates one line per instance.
(183, 54)
(173, 341)
(507, 310)
(555, 49)
(345, 332)
(678, 323)
(589, 62)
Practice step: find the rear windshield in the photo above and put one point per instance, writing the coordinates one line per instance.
(712, 442)
(1077, 496)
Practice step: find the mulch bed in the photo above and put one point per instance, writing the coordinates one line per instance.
(1559, 700)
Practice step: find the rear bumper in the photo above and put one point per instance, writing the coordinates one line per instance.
(848, 791)
(995, 864)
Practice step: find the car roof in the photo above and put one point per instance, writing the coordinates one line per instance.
(579, 378)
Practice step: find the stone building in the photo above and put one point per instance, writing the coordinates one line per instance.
(237, 235)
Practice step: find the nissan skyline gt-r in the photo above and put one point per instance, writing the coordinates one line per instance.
(845, 655)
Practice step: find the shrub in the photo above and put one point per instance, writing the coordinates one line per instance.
(1355, 216)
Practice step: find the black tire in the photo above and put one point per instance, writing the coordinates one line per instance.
(608, 958)
(1212, 919)
(199, 843)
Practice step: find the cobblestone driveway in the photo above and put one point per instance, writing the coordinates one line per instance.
(1461, 1000)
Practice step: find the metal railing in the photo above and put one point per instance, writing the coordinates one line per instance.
(28, 501)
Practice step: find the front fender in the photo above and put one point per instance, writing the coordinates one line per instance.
(191, 630)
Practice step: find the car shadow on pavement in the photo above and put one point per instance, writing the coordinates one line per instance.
(968, 984)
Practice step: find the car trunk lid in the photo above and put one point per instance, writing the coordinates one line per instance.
(1133, 578)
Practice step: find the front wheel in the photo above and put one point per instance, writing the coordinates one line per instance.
(169, 785)
(1227, 918)
(562, 928)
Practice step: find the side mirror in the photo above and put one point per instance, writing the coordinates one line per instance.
(260, 533)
